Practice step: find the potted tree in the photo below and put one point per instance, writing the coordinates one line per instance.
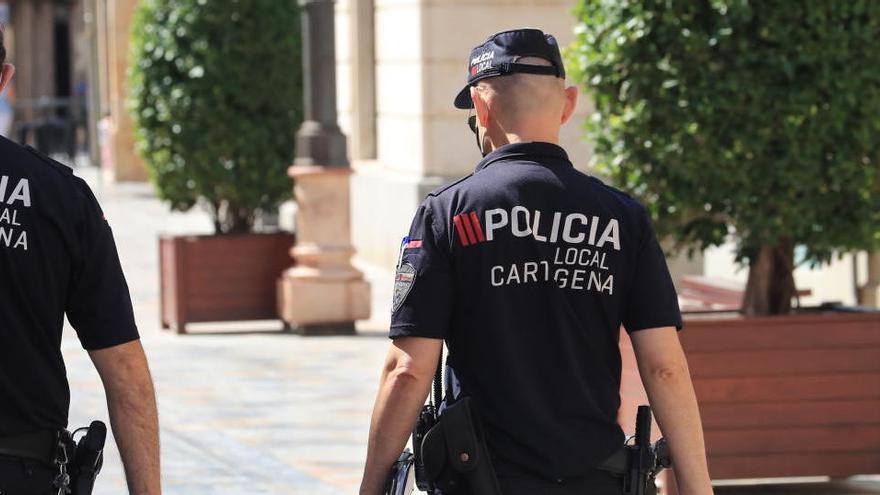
(758, 120)
(216, 91)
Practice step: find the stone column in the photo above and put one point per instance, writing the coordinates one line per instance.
(362, 38)
(869, 294)
(124, 163)
(90, 15)
(23, 54)
(323, 294)
(103, 61)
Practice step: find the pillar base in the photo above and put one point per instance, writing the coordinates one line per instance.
(328, 330)
(323, 294)
(314, 306)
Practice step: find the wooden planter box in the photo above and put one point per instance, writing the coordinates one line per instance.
(786, 395)
(221, 278)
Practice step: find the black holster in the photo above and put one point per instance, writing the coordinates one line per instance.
(455, 455)
(88, 459)
(640, 463)
(77, 463)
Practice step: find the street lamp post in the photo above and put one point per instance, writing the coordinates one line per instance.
(319, 141)
(323, 294)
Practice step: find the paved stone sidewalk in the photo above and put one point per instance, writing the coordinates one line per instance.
(244, 408)
(252, 412)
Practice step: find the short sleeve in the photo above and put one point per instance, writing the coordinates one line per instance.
(422, 305)
(652, 301)
(99, 304)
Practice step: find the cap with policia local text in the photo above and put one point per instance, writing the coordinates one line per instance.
(499, 54)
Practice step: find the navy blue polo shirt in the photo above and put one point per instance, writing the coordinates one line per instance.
(528, 268)
(57, 258)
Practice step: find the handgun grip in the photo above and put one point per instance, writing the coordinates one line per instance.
(89, 458)
(643, 426)
(96, 436)
(90, 447)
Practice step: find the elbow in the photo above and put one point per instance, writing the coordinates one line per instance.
(403, 375)
(668, 371)
(402, 372)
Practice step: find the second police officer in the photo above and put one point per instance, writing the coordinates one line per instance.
(527, 269)
(57, 258)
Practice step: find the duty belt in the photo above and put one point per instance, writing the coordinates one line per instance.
(41, 446)
(617, 463)
(78, 463)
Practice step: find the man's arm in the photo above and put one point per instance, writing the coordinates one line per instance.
(131, 401)
(405, 384)
(665, 374)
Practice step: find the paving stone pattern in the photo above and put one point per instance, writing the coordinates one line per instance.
(244, 408)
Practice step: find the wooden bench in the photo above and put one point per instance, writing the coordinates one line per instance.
(781, 396)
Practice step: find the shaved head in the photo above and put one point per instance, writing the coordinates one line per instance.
(523, 96)
(521, 107)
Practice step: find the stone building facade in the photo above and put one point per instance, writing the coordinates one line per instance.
(46, 43)
(77, 50)
(399, 65)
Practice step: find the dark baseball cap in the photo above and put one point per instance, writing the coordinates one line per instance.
(499, 54)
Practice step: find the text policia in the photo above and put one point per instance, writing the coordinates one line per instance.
(572, 267)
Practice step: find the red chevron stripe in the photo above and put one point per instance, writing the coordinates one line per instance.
(477, 227)
(466, 220)
(462, 236)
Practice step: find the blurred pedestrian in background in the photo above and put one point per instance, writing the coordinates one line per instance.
(6, 114)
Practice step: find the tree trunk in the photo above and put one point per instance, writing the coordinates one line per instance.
(215, 217)
(240, 224)
(231, 219)
(770, 287)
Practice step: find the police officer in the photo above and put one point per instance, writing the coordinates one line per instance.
(57, 257)
(527, 269)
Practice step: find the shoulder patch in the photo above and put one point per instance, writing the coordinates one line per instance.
(442, 189)
(404, 280)
(64, 169)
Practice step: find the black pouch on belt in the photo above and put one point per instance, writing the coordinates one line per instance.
(454, 452)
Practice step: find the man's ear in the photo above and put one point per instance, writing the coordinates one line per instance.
(6, 75)
(571, 99)
(481, 108)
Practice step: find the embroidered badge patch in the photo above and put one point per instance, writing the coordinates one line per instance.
(403, 284)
